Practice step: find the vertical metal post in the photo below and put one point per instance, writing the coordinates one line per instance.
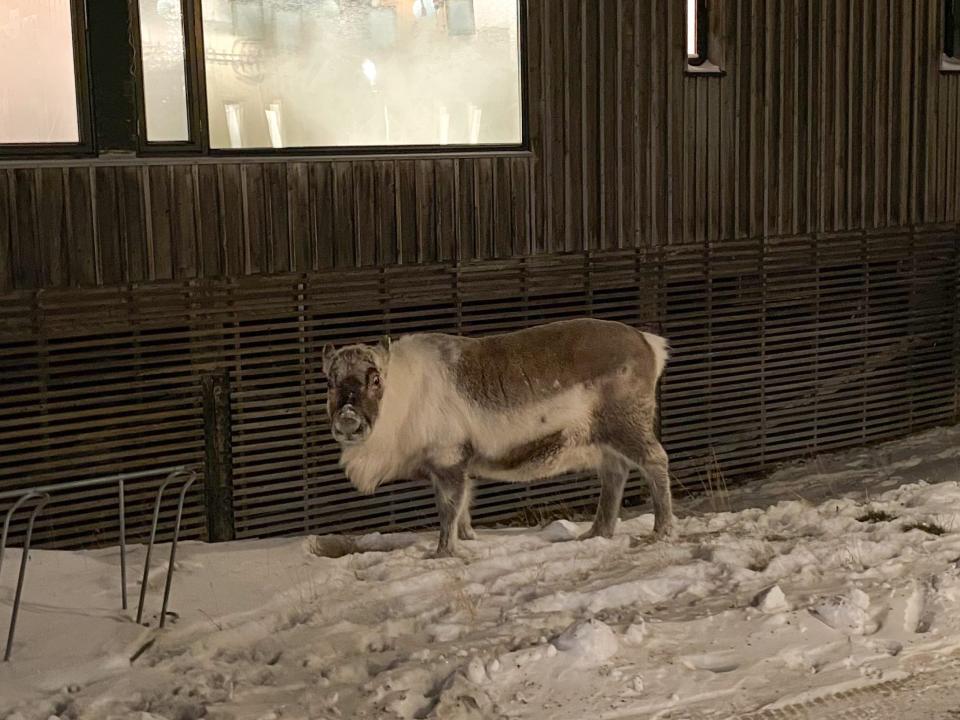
(123, 547)
(173, 549)
(218, 460)
(23, 571)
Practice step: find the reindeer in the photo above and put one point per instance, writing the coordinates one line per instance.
(568, 396)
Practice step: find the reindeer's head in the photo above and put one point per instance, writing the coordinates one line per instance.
(355, 379)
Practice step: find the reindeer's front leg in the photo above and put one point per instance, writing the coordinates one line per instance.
(465, 526)
(452, 491)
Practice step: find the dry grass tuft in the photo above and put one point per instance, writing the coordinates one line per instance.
(931, 528)
(876, 516)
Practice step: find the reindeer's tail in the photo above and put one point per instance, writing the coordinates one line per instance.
(661, 350)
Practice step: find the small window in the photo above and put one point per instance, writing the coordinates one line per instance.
(333, 73)
(38, 74)
(164, 71)
(696, 32)
(951, 35)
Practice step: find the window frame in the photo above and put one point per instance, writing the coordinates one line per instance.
(193, 74)
(84, 97)
(198, 107)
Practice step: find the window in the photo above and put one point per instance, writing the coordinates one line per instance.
(335, 73)
(164, 71)
(260, 75)
(40, 96)
(696, 32)
(951, 36)
(332, 74)
(701, 54)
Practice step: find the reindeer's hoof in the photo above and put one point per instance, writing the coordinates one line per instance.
(446, 552)
(467, 534)
(665, 534)
(594, 532)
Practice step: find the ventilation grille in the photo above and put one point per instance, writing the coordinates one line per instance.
(781, 349)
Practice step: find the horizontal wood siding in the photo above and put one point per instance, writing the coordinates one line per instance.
(832, 115)
(781, 348)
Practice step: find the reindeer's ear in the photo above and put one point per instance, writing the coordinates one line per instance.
(327, 354)
(385, 343)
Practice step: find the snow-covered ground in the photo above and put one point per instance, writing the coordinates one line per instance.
(779, 598)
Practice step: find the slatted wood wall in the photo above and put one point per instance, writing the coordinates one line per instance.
(791, 225)
(832, 115)
(782, 348)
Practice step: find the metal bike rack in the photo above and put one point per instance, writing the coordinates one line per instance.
(173, 546)
(44, 499)
(44, 493)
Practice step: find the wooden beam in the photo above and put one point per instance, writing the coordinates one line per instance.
(218, 457)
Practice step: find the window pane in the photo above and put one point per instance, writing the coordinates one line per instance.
(952, 39)
(326, 73)
(38, 92)
(692, 49)
(164, 70)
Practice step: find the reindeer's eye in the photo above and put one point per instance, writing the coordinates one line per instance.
(375, 379)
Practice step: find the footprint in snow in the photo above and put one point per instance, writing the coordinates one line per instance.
(848, 613)
(920, 611)
(721, 662)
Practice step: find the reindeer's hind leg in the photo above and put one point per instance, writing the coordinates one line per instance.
(613, 474)
(638, 445)
(452, 495)
(655, 467)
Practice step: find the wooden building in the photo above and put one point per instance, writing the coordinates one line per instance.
(787, 213)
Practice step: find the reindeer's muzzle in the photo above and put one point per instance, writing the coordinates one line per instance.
(349, 426)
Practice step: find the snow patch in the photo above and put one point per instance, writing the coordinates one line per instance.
(783, 596)
(771, 600)
(846, 613)
(588, 643)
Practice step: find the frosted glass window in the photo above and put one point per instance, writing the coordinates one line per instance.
(164, 70)
(38, 91)
(693, 49)
(341, 73)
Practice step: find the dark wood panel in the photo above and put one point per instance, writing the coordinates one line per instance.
(82, 251)
(52, 227)
(230, 209)
(831, 116)
(321, 214)
(159, 225)
(184, 236)
(7, 265)
(254, 218)
(388, 238)
(365, 212)
(278, 218)
(209, 237)
(133, 224)
(298, 203)
(407, 210)
(466, 214)
(344, 215)
(503, 205)
(424, 210)
(107, 231)
(24, 218)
